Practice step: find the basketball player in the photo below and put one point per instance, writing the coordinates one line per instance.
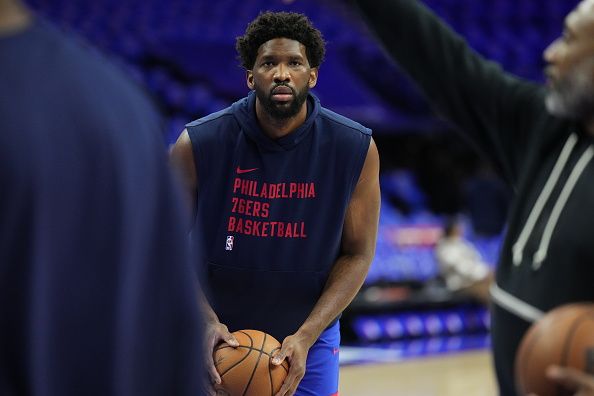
(97, 296)
(540, 138)
(286, 195)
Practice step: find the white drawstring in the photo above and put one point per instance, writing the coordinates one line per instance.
(518, 247)
(541, 254)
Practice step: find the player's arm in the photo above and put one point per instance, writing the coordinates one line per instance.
(181, 157)
(357, 250)
(493, 108)
(182, 160)
(347, 275)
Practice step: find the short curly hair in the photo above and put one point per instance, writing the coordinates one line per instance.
(270, 25)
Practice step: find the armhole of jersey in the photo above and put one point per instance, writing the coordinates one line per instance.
(359, 163)
(198, 158)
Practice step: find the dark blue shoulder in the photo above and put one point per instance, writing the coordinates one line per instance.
(343, 121)
(221, 116)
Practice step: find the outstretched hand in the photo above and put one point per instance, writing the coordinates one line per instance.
(214, 334)
(295, 350)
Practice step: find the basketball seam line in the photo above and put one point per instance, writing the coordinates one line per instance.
(271, 383)
(566, 346)
(253, 349)
(527, 353)
(243, 358)
(237, 363)
(256, 366)
(572, 330)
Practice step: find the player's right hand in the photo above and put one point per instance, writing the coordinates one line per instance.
(214, 333)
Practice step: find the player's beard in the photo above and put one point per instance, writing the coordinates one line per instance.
(282, 111)
(572, 97)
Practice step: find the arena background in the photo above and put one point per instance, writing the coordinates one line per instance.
(183, 52)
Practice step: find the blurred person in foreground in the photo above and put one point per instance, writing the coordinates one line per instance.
(540, 139)
(286, 195)
(97, 295)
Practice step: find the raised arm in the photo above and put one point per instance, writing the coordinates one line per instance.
(489, 106)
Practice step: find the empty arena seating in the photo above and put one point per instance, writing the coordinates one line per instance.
(183, 50)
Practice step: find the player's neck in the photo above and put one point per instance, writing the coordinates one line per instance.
(275, 128)
(14, 16)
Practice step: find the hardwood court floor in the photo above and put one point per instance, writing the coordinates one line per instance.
(468, 373)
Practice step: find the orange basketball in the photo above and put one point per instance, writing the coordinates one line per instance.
(247, 370)
(565, 337)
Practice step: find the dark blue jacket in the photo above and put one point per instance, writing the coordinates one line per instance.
(97, 296)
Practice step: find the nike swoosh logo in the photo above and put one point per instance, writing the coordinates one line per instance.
(240, 171)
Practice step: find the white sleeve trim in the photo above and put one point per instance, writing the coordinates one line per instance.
(514, 305)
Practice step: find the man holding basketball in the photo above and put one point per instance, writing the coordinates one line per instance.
(542, 142)
(286, 196)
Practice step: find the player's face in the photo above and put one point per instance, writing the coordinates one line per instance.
(570, 73)
(282, 77)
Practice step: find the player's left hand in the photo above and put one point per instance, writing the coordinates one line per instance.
(573, 380)
(294, 349)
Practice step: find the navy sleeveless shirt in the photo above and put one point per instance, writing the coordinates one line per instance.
(270, 212)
